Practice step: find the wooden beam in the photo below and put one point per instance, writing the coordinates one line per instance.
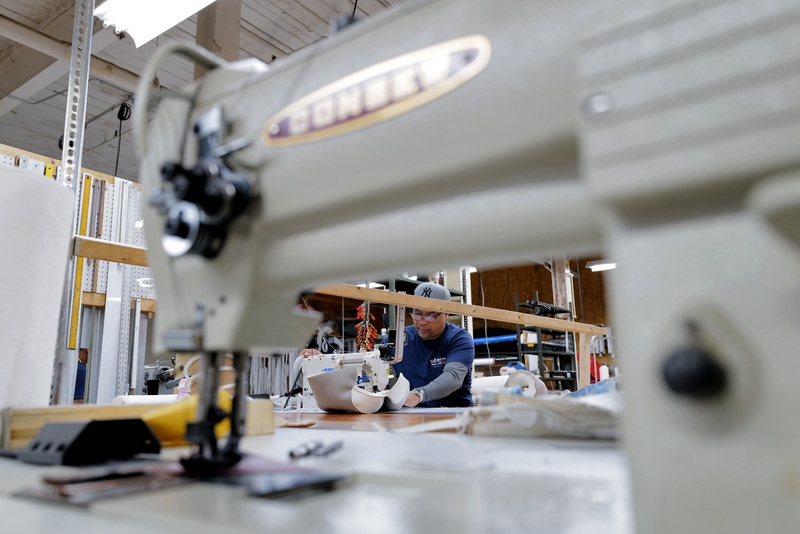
(15, 153)
(99, 249)
(93, 299)
(148, 305)
(400, 299)
(99, 300)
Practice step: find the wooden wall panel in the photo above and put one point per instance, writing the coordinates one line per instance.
(590, 291)
(498, 288)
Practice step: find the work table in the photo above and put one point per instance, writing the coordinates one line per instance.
(395, 482)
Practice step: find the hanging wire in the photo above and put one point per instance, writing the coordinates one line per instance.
(32, 103)
(12, 96)
(355, 5)
(123, 114)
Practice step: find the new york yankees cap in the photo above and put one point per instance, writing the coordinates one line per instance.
(432, 290)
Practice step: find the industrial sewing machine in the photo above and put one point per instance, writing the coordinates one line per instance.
(662, 134)
(361, 382)
(370, 367)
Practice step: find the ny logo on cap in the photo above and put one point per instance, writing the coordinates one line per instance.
(427, 292)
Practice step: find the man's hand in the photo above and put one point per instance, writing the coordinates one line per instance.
(305, 353)
(412, 400)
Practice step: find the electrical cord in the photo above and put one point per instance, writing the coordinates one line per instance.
(123, 114)
(99, 115)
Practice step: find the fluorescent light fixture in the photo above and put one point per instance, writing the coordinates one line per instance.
(372, 285)
(143, 20)
(601, 265)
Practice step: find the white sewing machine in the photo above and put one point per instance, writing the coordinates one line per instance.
(374, 373)
(664, 134)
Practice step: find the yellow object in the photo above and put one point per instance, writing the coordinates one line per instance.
(86, 199)
(169, 422)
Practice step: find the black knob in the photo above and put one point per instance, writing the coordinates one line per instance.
(694, 372)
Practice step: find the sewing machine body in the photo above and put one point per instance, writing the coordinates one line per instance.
(655, 133)
(377, 372)
(316, 195)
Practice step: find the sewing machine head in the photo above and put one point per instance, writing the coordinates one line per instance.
(645, 131)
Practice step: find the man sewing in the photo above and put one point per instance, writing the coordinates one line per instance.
(437, 357)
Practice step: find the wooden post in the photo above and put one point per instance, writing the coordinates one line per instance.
(561, 298)
(584, 364)
(218, 31)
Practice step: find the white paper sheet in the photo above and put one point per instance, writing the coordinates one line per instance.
(35, 233)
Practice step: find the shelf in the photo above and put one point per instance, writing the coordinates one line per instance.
(551, 344)
(548, 331)
(558, 379)
(548, 353)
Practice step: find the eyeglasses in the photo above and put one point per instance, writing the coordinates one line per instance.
(428, 318)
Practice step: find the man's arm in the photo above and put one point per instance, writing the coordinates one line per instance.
(450, 380)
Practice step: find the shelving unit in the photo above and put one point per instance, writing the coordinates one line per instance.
(554, 349)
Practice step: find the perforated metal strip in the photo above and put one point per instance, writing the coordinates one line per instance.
(77, 91)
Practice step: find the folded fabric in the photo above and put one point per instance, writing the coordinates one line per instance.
(336, 391)
(551, 416)
(595, 416)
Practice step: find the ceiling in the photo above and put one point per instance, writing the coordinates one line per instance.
(33, 84)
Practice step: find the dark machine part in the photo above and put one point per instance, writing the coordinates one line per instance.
(199, 202)
(694, 372)
(386, 349)
(165, 374)
(162, 375)
(210, 459)
(90, 442)
(542, 308)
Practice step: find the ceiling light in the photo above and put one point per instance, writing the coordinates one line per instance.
(601, 265)
(143, 20)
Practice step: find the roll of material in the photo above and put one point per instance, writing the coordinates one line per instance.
(35, 238)
(482, 383)
(527, 381)
(121, 400)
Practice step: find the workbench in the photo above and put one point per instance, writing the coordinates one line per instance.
(380, 421)
(395, 482)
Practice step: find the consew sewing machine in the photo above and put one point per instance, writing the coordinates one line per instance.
(664, 134)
